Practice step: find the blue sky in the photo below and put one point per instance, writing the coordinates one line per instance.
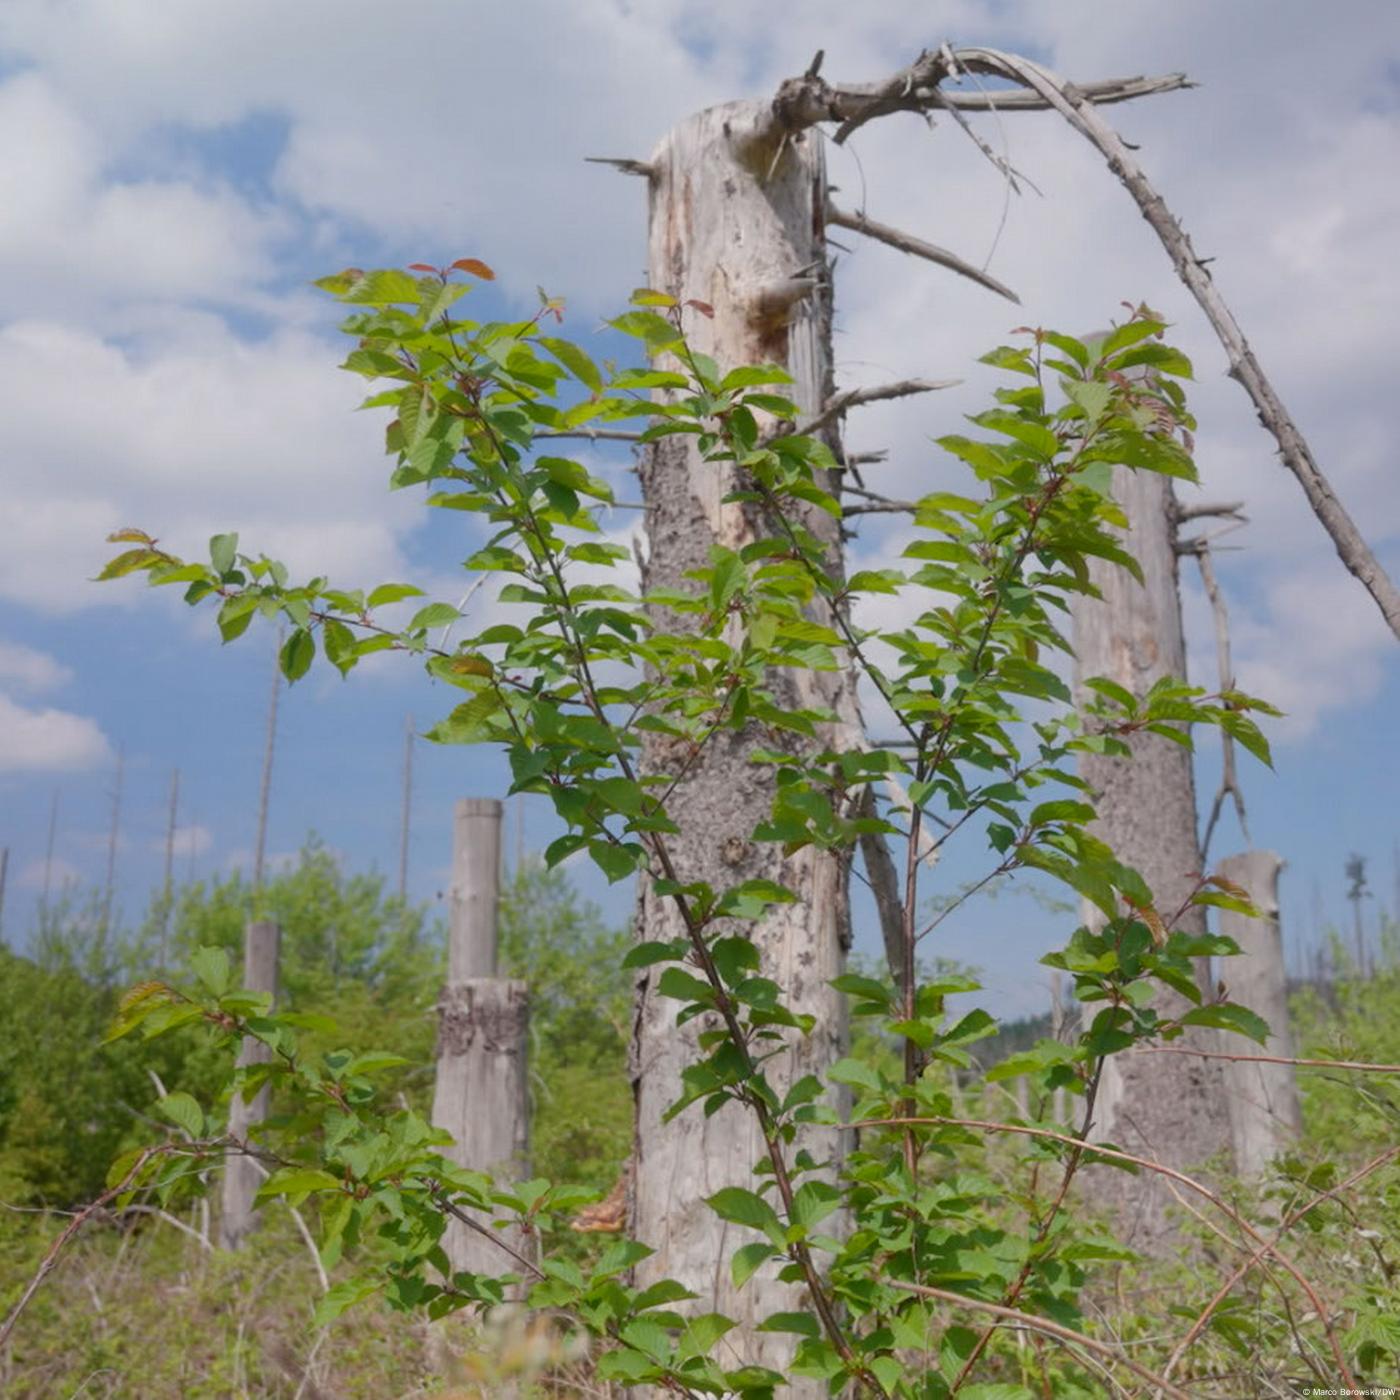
(172, 177)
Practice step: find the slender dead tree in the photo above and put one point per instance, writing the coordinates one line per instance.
(109, 887)
(168, 888)
(1357, 890)
(406, 808)
(4, 871)
(48, 856)
(265, 785)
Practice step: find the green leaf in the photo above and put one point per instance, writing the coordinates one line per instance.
(742, 1207)
(745, 376)
(223, 549)
(667, 1291)
(683, 986)
(211, 966)
(128, 562)
(338, 642)
(856, 1073)
(184, 1112)
(391, 593)
(656, 331)
(749, 899)
(646, 954)
(434, 615)
(298, 652)
(1226, 1016)
(575, 360)
(804, 1324)
(297, 1181)
(341, 1296)
(701, 1333)
(747, 1260)
(1166, 359)
(616, 862)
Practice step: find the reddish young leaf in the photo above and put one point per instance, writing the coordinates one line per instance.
(421, 267)
(703, 307)
(476, 267)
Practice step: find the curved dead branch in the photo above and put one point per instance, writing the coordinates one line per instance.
(1078, 110)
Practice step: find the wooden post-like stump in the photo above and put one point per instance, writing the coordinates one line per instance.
(262, 941)
(481, 1091)
(1265, 1118)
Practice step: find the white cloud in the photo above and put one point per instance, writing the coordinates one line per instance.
(1278, 168)
(189, 841)
(34, 672)
(76, 239)
(59, 873)
(185, 441)
(48, 740)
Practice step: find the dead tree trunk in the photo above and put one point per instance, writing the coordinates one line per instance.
(261, 945)
(736, 221)
(480, 1095)
(1265, 1117)
(1168, 1107)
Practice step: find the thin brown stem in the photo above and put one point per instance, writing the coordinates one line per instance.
(1050, 1329)
(1289, 1221)
(51, 1257)
(1098, 1150)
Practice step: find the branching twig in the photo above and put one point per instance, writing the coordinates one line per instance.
(1229, 772)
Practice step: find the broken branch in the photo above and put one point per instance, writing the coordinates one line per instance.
(810, 100)
(917, 247)
(839, 404)
(624, 164)
(1232, 509)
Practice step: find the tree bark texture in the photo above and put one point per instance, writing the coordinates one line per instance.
(736, 221)
(481, 1090)
(1168, 1107)
(1264, 1112)
(261, 946)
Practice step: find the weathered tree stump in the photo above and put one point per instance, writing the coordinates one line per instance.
(1265, 1117)
(242, 1175)
(481, 1090)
